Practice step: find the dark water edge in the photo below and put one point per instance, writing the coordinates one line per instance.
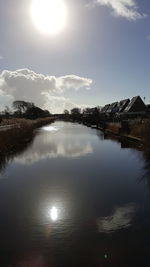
(99, 188)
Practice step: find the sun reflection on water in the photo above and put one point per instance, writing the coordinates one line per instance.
(50, 128)
(53, 213)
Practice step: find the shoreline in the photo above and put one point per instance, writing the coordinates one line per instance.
(139, 142)
(17, 135)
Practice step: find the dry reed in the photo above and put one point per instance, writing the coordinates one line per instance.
(21, 133)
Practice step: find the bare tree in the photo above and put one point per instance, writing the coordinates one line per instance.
(22, 106)
(76, 111)
(66, 112)
(7, 112)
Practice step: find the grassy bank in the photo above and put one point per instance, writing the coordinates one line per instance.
(21, 133)
(137, 129)
(141, 129)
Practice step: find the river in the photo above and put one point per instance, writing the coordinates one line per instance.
(73, 198)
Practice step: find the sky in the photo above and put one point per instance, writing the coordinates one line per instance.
(101, 55)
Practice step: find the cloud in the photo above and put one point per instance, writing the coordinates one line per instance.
(1, 57)
(59, 103)
(5, 100)
(123, 8)
(43, 90)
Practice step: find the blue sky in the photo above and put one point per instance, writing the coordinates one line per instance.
(104, 50)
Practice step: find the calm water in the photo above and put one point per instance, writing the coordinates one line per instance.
(72, 198)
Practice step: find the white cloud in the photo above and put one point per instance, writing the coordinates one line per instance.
(124, 8)
(1, 57)
(5, 100)
(41, 89)
(59, 103)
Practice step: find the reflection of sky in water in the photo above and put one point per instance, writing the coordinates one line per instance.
(53, 213)
(50, 143)
(79, 188)
(121, 218)
(50, 128)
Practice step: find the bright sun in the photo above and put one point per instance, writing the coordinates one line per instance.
(49, 16)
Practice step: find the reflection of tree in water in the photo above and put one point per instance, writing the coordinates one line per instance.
(123, 141)
(146, 175)
(5, 159)
(136, 148)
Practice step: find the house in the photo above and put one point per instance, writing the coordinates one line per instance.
(105, 108)
(135, 105)
(123, 104)
(113, 108)
(148, 109)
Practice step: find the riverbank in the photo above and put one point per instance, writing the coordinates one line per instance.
(19, 133)
(137, 131)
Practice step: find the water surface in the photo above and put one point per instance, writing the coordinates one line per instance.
(72, 198)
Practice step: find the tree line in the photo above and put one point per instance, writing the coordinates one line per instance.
(24, 109)
(91, 115)
(87, 111)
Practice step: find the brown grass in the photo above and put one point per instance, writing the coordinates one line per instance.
(113, 127)
(6, 122)
(141, 129)
(138, 128)
(22, 133)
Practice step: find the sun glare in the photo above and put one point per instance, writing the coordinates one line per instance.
(49, 16)
(54, 214)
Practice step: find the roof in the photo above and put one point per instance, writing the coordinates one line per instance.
(105, 108)
(136, 104)
(113, 107)
(123, 104)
